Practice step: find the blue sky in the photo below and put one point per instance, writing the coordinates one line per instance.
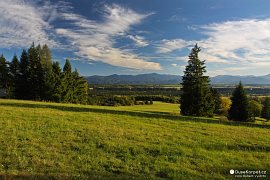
(136, 36)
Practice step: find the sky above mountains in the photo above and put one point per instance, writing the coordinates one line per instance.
(132, 37)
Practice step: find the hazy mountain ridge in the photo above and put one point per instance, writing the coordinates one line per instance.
(155, 78)
(135, 79)
(229, 79)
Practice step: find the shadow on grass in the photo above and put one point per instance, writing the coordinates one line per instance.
(239, 147)
(146, 114)
(83, 175)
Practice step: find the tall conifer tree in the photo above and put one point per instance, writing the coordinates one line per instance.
(46, 63)
(46, 57)
(4, 74)
(24, 83)
(217, 100)
(80, 94)
(196, 98)
(67, 83)
(14, 76)
(35, 71)
(57, 82)
(239, 110)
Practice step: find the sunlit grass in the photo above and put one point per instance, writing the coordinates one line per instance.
(63, 140)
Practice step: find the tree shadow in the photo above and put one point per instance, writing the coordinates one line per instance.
(238, 147)
(156, 112)
(145, 114)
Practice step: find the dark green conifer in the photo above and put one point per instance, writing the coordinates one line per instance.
(67, 83)
(80, 93)
(46, 57)
(4, 74)
(14, 77)
(24, 83)
(46, 63)
(239, 110)
(36, 73)
(56, 82)
(196, 98)
(35, 77)
(217, 100)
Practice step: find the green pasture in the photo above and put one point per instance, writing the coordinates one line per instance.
(50, 140)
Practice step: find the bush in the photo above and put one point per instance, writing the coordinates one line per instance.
(255, 109)
(225, 106)
(266, 109)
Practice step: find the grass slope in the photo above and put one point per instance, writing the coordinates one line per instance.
(46, 140)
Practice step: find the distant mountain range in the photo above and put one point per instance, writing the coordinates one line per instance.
(155, 78)
(228, 79)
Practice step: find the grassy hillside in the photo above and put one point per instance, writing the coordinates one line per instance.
(59, 140)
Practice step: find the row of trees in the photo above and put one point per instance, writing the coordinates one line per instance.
(36, 77)
(199, 99)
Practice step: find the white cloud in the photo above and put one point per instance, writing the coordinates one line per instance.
(166, 46)
(178, 66)
(24, 22)
(96, 40)
(140, 41)
(242, 43)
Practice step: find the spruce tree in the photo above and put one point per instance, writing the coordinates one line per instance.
(14, 76)
(24, 84)
(80, 93)
(4, 74)
(56, 82)
(196, 98)
(67, 83)
(266, 109)
(36, 72)
(239, 110)
(217, 101)
(46, 57)
(46, 63)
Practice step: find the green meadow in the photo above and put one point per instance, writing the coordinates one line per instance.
(50, 140)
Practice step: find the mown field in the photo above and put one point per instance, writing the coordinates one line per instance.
(49, 140)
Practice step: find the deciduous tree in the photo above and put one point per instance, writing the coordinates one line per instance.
(266, 109)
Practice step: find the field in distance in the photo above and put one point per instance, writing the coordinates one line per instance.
(44, 140)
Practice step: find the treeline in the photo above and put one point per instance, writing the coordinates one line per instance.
(36, 77)
(133, 90)
(122, 100)
(111, 100)
(225, 90)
